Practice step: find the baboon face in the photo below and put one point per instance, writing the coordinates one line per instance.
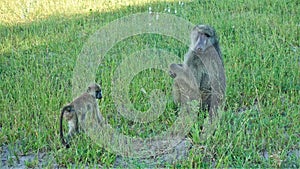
(95, 91)
(202, 37)
(98, 94)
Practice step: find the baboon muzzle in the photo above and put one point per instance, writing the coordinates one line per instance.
(201, 42)
(99, 95)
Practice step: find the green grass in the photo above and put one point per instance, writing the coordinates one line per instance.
(41, 40)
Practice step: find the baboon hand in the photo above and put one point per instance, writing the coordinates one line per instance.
(173, 68)
(172, 74)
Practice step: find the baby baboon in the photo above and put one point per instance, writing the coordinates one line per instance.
(206, 64)
(76, 111)
(185, 87)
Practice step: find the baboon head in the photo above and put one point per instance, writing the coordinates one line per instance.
(95, 91)
(203, 37)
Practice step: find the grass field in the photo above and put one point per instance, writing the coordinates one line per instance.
(260, 41)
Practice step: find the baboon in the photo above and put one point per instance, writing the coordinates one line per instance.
(185, 87)
(205, 61)
(76, 111)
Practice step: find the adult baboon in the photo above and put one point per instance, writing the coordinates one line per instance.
(76, 111)
(205, 61)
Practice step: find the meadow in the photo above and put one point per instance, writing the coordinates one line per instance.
(40, 42)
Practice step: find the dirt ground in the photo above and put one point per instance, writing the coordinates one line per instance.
(11, 159)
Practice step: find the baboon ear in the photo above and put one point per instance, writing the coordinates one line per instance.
(89, 89)
(195, 27)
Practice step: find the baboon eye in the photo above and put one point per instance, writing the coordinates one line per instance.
(207, 35)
